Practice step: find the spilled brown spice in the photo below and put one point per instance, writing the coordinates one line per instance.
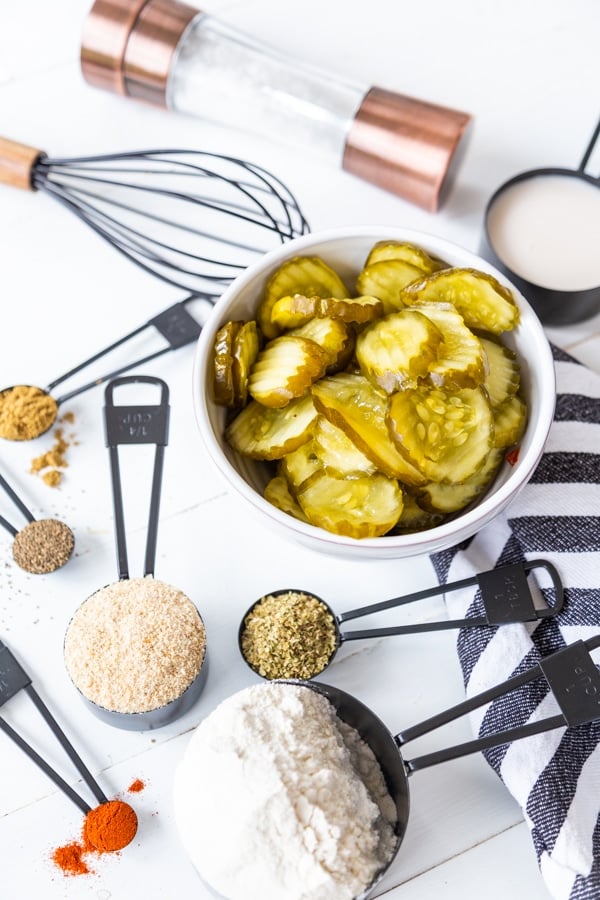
(55, 459)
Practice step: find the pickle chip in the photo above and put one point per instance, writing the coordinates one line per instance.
(337, 453)
(285, 369)
(480, 298)
(409, 253)
(299, 465)
(445, 435)
(296, 309)
(460, 359)
(361, 507)
(308, 275)
(277, 492)
(398, 349)
(503, 372)
(245, 350)
(387, 279)
(357, 407)
(510, 419)
(449, 498)
(223, 381)
(265, 433)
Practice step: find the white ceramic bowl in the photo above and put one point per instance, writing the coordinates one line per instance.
(346, 249)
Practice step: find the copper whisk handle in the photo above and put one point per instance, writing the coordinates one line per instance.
(17, 162)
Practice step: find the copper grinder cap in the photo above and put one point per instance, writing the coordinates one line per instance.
(128, 45)
(407, 146)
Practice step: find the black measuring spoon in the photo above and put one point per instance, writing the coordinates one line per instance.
(175, 324)
(136, 424)
(570, 674)
(43, 545)
(14, 678)
(505, 594)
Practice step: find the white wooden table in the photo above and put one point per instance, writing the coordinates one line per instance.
(529, 74)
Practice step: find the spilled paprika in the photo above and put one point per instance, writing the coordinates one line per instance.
(107, 828)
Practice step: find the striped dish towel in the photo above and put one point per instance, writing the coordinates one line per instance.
(555, 777)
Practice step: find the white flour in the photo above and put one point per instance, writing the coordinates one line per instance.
(269, 804)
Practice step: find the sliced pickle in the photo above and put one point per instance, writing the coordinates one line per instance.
(277, 492)
(246, 346)
(480, 299)
(333, 335)
(409, 253)
(398, 349)
(223, 381)
(445, 435)
(337, 453)
(361, 507)
(308, 275)
(264, 433)
(414, 518)
(357, 407)
(298, 466)
(503, 376)
(449, 498)
(510, 419)
(285, 369)
(294, 310)
(460, 358)
(387, 279)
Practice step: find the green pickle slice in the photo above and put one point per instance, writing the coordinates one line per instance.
(308, 275)
(294, 310)
(510, 419)
(460, 359)
(409, 253)
(337, 453)
(449, 498)
(222, 382)
(360, 507)
(387, 279)
(357, 407)
(480, 298)
(266, 433)
(504, 375)
(396, 350)
(285, 369)
(278, 493)
(445, 435)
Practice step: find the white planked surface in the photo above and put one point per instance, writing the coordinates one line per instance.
(529, 74)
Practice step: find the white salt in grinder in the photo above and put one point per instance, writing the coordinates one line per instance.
(176, 56)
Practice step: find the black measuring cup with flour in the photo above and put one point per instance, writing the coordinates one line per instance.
(136, 649)
(295, 634)
(28, 411)
(42, 545)
(570, 673)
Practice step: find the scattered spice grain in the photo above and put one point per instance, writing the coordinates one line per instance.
(135, 645)
(43, 546)
(53, 459)
(288, 635)
(136, 786)
(25, 412)
(69, 858)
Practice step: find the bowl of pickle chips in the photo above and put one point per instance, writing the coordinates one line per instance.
(374, 391)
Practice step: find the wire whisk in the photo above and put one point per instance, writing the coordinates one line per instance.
(192, 218)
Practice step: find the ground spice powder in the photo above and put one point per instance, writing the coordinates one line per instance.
(107, 828)
(43, 546)
(25, 412)
(136, 786)
(53, 460)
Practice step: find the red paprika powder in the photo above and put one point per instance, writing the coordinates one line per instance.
(108, 827)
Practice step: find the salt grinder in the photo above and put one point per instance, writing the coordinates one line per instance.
(176, 56)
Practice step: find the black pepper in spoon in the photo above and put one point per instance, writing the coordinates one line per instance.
(43, 545)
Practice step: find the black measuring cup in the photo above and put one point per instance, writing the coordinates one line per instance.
(175, 324)
(43, 545)
(136, 425)
(554, 306)
(571, 676)
(505, 594)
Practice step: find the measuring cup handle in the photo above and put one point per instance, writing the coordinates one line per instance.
(136, 425)
(18, 502)
(571, 676)
(589, 150)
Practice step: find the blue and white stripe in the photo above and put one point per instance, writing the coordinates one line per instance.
(555, 777)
